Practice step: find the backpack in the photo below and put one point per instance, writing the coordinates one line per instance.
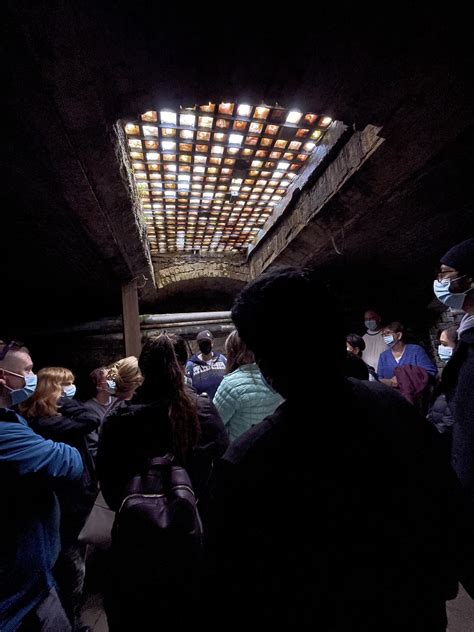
(157, 532)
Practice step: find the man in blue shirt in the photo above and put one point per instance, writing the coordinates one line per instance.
(30, 469)
(206, 369)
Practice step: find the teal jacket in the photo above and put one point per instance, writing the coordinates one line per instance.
(31, 468)
(243, 400)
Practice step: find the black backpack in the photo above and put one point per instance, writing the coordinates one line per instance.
(157, 533)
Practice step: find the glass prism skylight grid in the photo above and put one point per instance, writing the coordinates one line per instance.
(209, 177)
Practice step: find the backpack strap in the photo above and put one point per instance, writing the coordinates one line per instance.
(167, 459)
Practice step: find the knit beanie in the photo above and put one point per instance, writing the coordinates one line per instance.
(461, 257)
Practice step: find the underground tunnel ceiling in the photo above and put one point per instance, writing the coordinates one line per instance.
(209, 177)
(72, 72)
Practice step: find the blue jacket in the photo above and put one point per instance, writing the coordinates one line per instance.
(30, 469)
(244, 400)
(206, 376)
(413, 354)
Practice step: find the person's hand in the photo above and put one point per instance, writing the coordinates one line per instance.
(394, 382)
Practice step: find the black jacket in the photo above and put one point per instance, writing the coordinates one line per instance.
(458, 383)
(72, 426)
(345, 512)
(137, 433)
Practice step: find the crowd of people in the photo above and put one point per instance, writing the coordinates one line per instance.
(340, 497)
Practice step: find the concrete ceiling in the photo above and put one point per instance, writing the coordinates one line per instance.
(70, 234)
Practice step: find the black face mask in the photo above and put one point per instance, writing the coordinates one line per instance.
(205, 346)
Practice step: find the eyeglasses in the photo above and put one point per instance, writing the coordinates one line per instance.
(9, 346)
(441, 275)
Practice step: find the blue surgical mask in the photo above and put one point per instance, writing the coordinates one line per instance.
(69, 390)
(389, 340)
(445, 353)
(371, 325)
(445, 296)
(111, 387)
(19, 395)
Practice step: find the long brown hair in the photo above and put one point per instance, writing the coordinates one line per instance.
(164, 381)
(237, 352)
(44, 401)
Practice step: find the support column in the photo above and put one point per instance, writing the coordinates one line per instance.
(131, 319)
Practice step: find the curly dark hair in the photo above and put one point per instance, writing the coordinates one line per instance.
(164, 381)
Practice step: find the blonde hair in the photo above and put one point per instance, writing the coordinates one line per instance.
(126, 374)
(44, 401)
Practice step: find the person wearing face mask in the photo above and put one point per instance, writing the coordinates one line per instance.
(31, 470)
(400, 354)
(53, 413)
(447, 343)
(439, 413)
(374, 344)
(389, 524)
(206, 369)
(454, 287)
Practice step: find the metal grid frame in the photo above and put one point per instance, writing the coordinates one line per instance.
(209, 177)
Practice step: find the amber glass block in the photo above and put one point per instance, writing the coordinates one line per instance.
(205, 121)
(222, 123)
(281, 144)
(205, 136)
(226, 108)
(202, 148)
(251, 140)
(132, 129)
(135, 144)
(149, 130)
(240, 126)
(288, 156)
(261, 112)
(151, 144)
(272, 129)
(255, 128)
(149, 117)
(302, 132)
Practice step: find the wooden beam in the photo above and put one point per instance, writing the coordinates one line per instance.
(131, 319)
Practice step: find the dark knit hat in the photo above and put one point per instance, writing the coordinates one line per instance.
(461, 257)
